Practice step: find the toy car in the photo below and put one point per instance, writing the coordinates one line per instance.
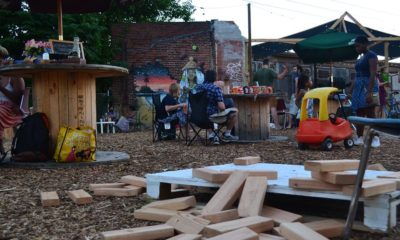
(326, 128)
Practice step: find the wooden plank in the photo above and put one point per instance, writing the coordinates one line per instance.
(63, 99)
(270, 174)
(82, 98)
(118, 192)
(390, 175)
(246, 160)
(264, 119)
(133, 180)
(80, 196)
(187, 223)
(279, 216)
(49, 199)
(328, 227)
(372, 187)
(93, 100)
(312, 184)
(72, 100)
(239, 234)
(256, 223)
(227, 194)
(141, 233)
(299, 231)
(376, 167)
(53, 98)
(341, 178)
(185, 236)
(210, 175)
(174, 204)
(252, 198)
(221, 216)
(154, 214)
(331, 165)
(264, 236)
(93, 186)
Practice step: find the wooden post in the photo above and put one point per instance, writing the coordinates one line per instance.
(60, 22)
(249, 52)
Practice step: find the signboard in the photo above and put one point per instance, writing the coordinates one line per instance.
(64, 47)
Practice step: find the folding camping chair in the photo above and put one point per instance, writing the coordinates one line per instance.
(198, 118)
(389, 126)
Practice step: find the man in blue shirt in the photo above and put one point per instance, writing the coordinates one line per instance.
(215, 105)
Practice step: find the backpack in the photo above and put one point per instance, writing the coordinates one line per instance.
(31, 140)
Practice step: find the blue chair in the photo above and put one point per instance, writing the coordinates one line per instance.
(389, 126)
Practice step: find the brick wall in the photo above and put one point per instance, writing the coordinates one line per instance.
(220, 45)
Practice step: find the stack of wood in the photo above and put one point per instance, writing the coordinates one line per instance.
(333, 175)
(221, 219)
(125, 187)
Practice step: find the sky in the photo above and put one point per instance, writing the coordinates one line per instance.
(279, 18)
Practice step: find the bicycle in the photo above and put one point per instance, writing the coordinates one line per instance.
(392, 109)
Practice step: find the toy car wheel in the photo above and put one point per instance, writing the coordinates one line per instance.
(327, 144)
(302, 146)
(348, 143)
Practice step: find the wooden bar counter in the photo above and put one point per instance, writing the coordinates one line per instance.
(254, 115)
(66, 93)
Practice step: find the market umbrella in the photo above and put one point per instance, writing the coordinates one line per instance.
(63, 6)
(330, 46)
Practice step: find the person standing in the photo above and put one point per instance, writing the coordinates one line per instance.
(266, 77)
(11, 91)
(362, 88)
(293, 109)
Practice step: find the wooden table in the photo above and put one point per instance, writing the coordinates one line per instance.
(66, 93)
(254, 115)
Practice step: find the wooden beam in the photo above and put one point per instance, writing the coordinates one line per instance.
(372, 187)
(279, 216)
(249, 160)
(221, 216)
(269, 174)
(174, 204)
(154, 214)
(299, 231)
(239, 234)
(105, 185)
(329, 228)
(338, 21)
(80, 196)
(360, 25)
(331, 165)
(376, 167)
(133, 180)
(264, 236)
(279, 40)
(187, 223)
(227, 194)
(49, 199)
(341, 178)
(255, 223)
(313, 184)
(128, 191)
(141, 233)
(185, 236)
(252, 199)
(344, 26)
(210, 175)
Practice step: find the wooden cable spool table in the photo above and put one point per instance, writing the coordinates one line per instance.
(66, 93)
(254, 115)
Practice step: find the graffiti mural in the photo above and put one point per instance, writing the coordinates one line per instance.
(154, 75)
(234, 72)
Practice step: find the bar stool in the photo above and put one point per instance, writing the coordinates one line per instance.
(389, 126)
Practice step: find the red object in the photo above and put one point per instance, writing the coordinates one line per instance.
(314, 132)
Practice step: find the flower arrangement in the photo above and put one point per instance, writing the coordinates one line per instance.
(34, 49)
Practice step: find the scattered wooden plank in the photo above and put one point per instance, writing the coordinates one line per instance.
(279, 216)
(141, 233)
(390, 175)
(299, 231)
(331, 165)
(376, 167)
(329, 228)
(185, 236)
(264, 236)
(135, 181)
(174, 204)
(247, 160)
(372, 187)
(49, 199)
(239, 234)
(227, 194)
(312, 184)
(252, 198)
(118, 192)
(270, 174)
(154, 214)
(80, 196)
(105, 185)
(187, 223)
(341, 178)
(210, 175)
(256, 223)
(221, 216)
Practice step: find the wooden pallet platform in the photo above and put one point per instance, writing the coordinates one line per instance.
(379, 212)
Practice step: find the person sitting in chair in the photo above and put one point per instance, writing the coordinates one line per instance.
(173, 109)
(11, 91)
(215, 105)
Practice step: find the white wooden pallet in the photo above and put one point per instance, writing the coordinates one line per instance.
(379, 211)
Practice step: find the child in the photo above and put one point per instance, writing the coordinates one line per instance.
(304, 84)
